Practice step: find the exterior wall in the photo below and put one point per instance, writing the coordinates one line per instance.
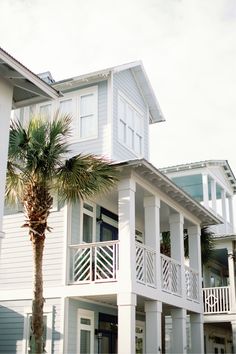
(12, 325)
(6, 92)
(124, 82)
(16, 259)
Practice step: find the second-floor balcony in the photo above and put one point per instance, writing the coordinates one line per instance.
(99, 263)
(217, 300)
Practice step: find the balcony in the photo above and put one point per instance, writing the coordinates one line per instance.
(216, 300)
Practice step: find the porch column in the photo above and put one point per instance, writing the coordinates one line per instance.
(177, 245)
(231, 213)
(233, 325)
(194, 241)
(231, 265)
(179, 336)
(223, 203)
(213, 195)
(127, 259)
(152, 230)
(153, 310)
(5, 113)
(197, 339)
(205, 190)
(126, 323)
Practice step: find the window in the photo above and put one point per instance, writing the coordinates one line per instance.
(130, 125)
(88, 124)
(85, 343)
(45, 110)
(28, 344)
(89, 222)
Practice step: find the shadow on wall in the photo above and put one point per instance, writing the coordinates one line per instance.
(15, 331)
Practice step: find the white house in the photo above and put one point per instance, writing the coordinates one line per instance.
(18, 87)
(107, 287)
(213, 184)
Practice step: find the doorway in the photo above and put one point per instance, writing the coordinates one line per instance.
(107, 336)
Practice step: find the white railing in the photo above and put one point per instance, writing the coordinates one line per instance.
(216, 300)
(170, 275)
(192, 284)
(95, 262)
(145, 265)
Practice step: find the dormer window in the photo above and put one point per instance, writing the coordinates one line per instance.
(130, 125)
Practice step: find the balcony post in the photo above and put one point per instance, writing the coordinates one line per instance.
(224, 213)
(233, 325)
(153, 310)
(213, 195)
(179, 335)
(194, 241)
(232, 285)
(177, 245)
(231, 213)
(152, 230)
(205, 190)
(127, 259)
(126, 322)
(197, 341)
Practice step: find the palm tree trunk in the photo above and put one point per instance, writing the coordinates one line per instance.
(38, 300)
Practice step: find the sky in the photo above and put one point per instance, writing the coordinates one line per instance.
(188, 48)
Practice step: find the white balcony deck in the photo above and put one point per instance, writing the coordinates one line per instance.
(99, 262)
(217, 300)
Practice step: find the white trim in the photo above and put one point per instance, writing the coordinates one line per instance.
(92, 214)
(110, 121)
(81, 313)
(48, 312)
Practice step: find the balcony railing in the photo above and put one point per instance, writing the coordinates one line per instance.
(95, 262)
(192, 284)
(170, 275)
(216, 300)
(145, 265)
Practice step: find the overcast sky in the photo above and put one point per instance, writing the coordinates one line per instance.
(188, 48)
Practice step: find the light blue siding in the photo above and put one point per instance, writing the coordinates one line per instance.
(125, 83)
(12, 325)
(16, 257)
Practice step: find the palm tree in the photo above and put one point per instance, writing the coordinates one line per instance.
(37, 170)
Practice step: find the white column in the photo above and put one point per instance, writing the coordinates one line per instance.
(179, 336)
(194, 241)
(213, 195)
(6, 92)
(153, 310)
(205, 190)
(231, 212)
(127, 259)
(126, 323)
(197, 338)
(152, 230)
(231, 265)
(223, 203)
(233, 324)
(177, 245)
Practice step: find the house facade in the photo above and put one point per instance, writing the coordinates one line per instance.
(213, 184)
(107, 286)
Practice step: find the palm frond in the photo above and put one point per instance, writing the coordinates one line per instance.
(18, 141)
(84, 175)
(14, 184)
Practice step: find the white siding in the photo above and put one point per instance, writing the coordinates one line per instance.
(126, 84)
(12, 325)
(16, 258)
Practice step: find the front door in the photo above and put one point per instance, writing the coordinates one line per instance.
(219, 349)
(107, 334)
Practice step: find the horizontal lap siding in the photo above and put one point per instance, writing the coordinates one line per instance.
(125, 82)
(98, 146)
(12, 325)
(16, 257)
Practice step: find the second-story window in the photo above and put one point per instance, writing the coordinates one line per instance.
(130, 125)
(88, 222)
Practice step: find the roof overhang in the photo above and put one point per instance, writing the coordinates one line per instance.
(28, 88)
(140, 77)
(208, 163)
(160, 181)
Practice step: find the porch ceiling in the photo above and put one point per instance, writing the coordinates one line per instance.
(148, 172)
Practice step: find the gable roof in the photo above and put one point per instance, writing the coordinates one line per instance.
(27, 86)
(140, 76)
(167, 186)
(229, 175)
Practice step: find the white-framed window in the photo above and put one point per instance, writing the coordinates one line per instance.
(140, 337)
(88, 113)
(85, 342)
(45, 110)
(88, 225)
(130, 124)
(47, 336)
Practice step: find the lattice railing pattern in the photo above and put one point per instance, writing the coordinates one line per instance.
(217, 300)
(95, 262)
(192, 284)
(171, 275)
(145, 265)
